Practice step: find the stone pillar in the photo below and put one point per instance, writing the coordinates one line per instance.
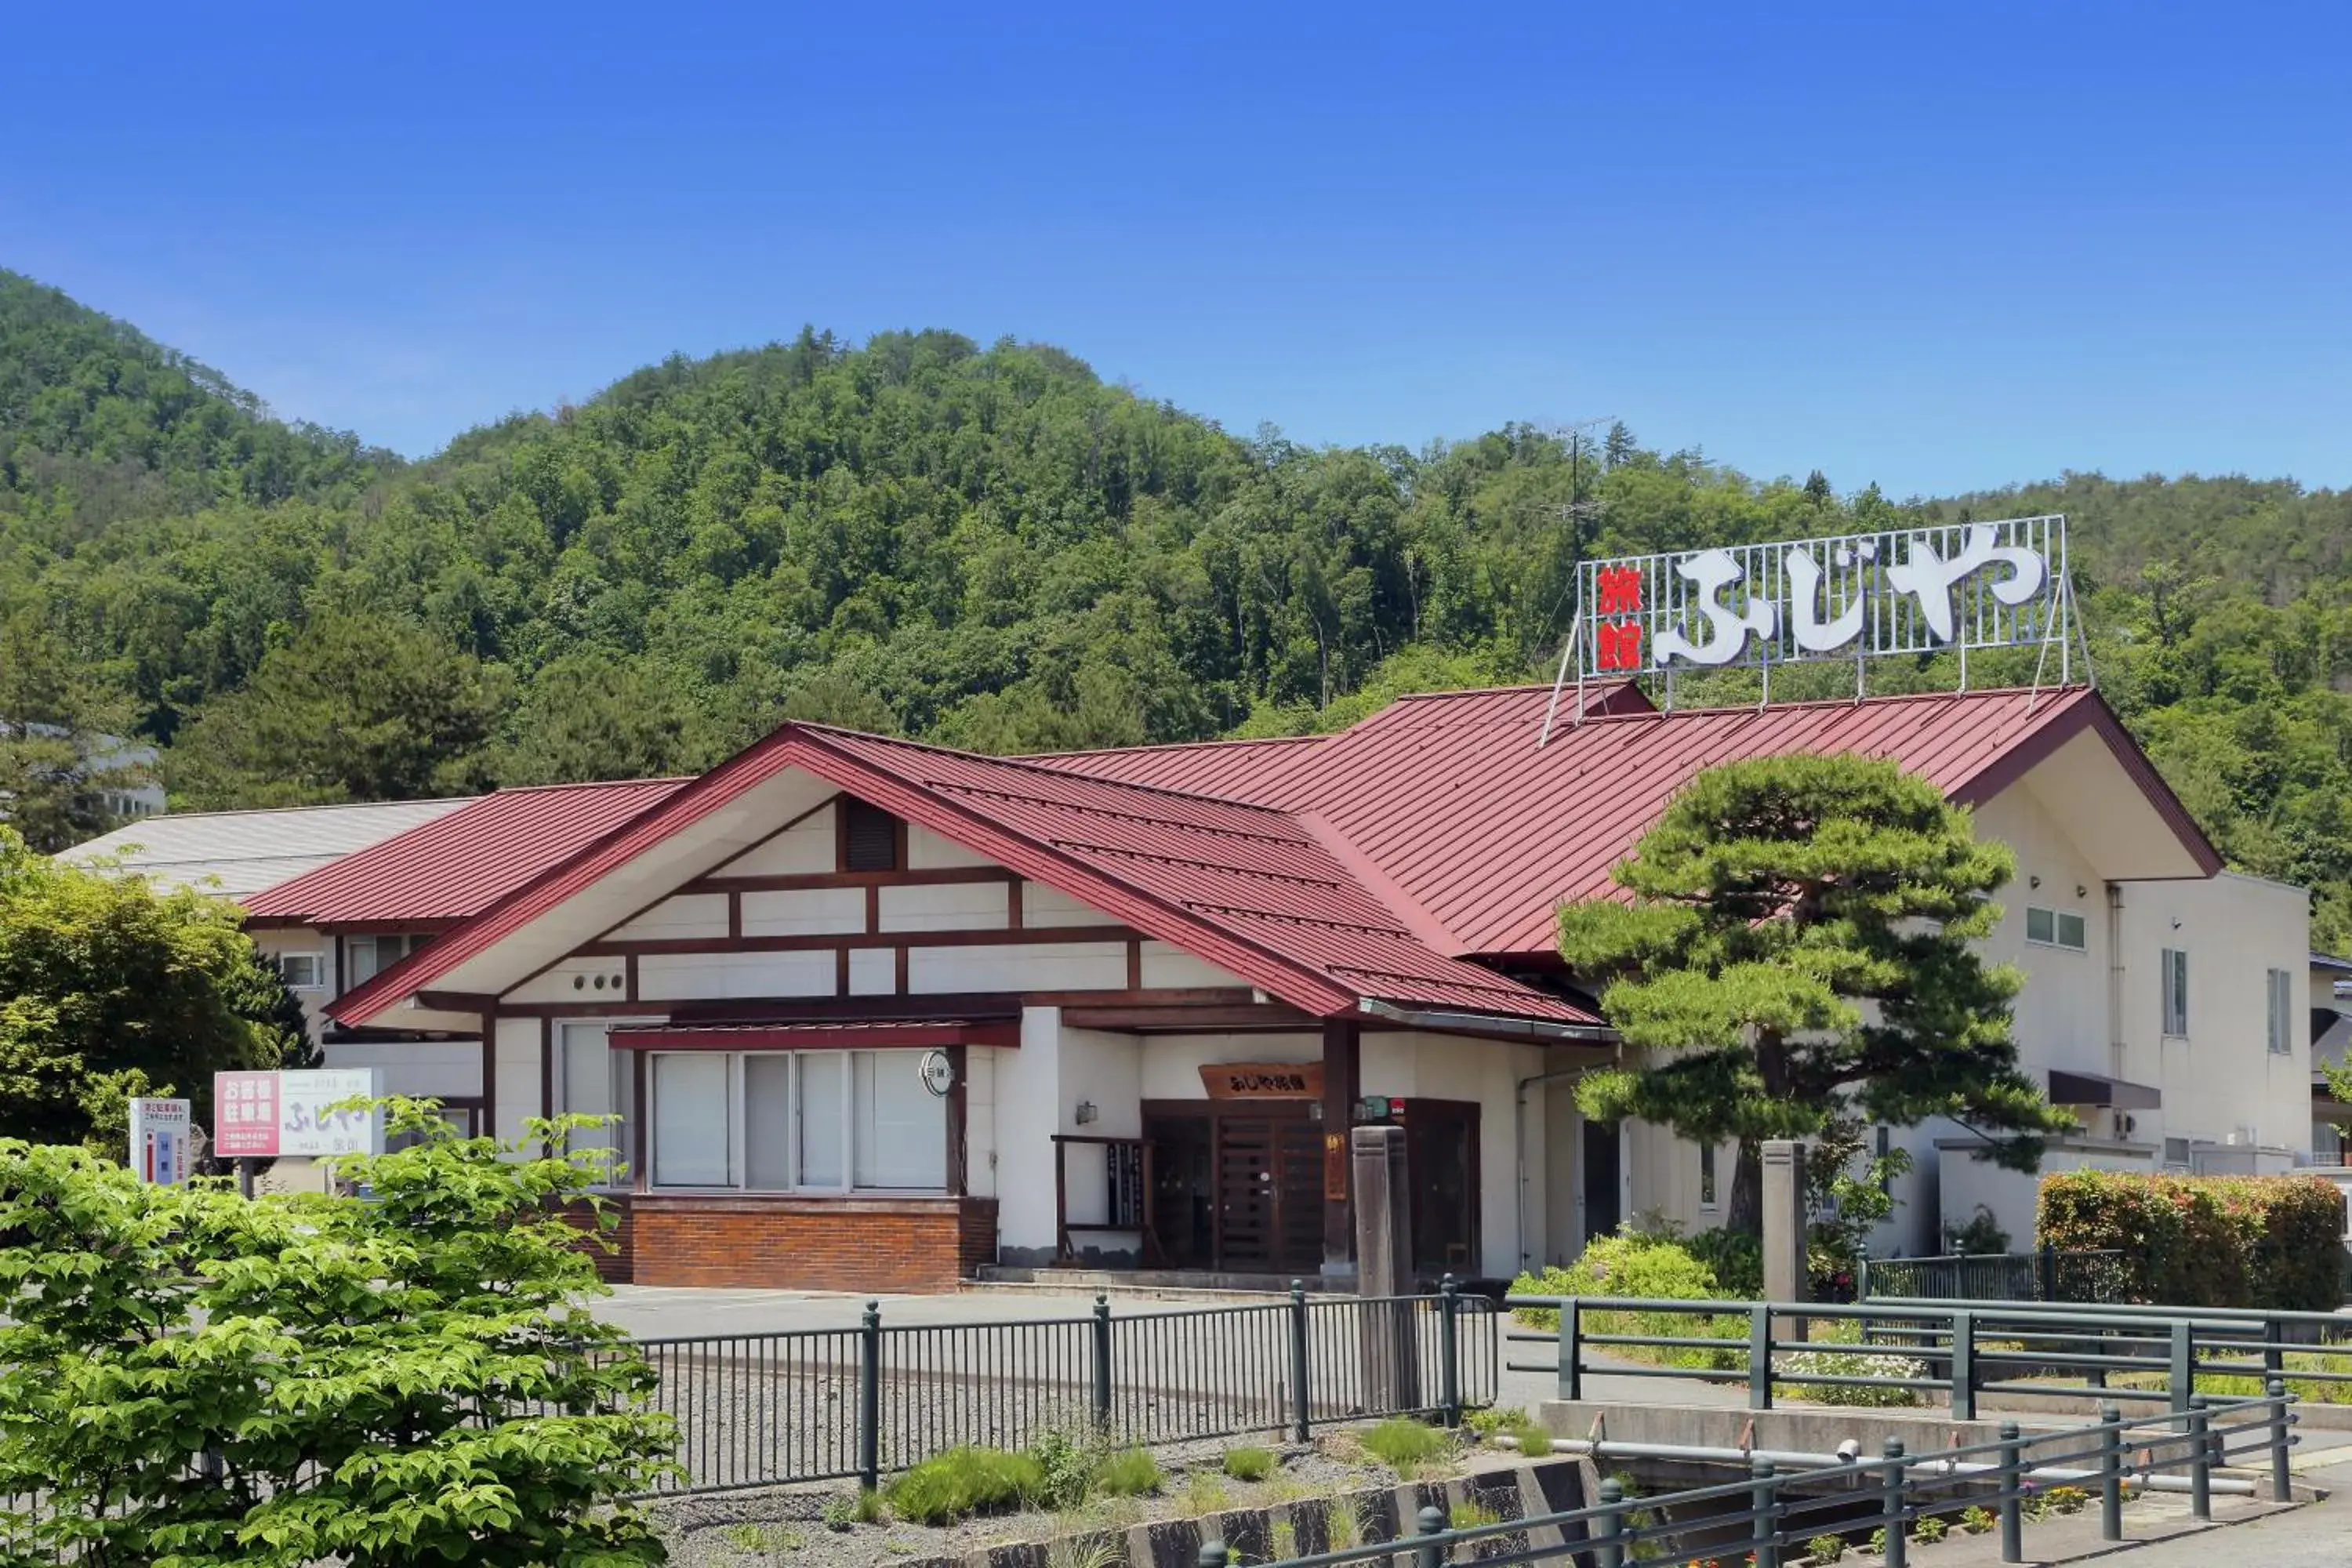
(1341, 1084)
(1384, 1268)
(1786, 1278)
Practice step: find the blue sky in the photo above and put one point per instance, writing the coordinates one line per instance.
(1935, 245)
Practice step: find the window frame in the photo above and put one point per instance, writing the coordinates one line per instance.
(737, 1117)
(2279, 996)
(318, 969)
(2172, 992)
(2057, 919)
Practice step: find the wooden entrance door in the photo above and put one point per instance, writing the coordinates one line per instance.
(1441, 1157)
(1240, 1185)
(1269, 1174)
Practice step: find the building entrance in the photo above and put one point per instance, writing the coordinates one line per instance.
(1238, 1186)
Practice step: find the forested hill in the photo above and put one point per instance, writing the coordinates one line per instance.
(987, 546)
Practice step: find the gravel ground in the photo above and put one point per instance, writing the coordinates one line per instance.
(749, 1529)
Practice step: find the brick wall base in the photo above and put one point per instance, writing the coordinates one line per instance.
(809, 1244)
(613, 1259)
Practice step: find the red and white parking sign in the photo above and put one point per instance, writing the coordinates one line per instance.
(256, 1115)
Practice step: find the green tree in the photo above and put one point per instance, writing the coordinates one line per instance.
(109, 989)
(1799, 947)
(58, 760)
(409, 1379)
(358, 707)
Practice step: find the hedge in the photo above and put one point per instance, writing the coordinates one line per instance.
(2274, 1242)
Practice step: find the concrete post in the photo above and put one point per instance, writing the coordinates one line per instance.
(1384, 1267)
(1786, 1278)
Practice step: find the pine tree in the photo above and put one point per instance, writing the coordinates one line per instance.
(1799, 946)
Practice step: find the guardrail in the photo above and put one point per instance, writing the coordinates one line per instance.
(1958, 1349)
(2048, 1275)
(829, 1403)
(1770, 1511)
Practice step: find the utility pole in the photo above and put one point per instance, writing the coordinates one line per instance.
(1577, 513)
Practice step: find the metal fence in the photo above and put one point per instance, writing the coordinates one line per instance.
(1785, 1501)
(1949, 1350)
(816, 1405)
(2048, 1275)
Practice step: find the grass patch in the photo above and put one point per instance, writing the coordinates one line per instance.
(841, 1512)
(1204, 1492)
(960, 1482)
(1250, 1463)
(764, 1539)
(1473, 1514)
(1130, 1472)
(1403, 1443)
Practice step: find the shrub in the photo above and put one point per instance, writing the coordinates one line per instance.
(1825, 1547)
(1130, 1472)
(1249, 1464)
(2273, 1242)
(1400, 1443)
(960, 1482)
(1659, 1268)
(409, 1380)
(1928, 1531)
(1976, 1519)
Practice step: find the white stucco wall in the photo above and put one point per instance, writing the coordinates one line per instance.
(423, 1069)
(515, 1060)
(801, 849)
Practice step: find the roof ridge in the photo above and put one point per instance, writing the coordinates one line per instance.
(285, 810)
(579, 784)
(1060, 776)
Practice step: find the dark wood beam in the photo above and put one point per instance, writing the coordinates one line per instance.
(1342, 1086)
(1225, 1017)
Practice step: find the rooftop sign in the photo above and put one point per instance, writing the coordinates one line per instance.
(1861, 596)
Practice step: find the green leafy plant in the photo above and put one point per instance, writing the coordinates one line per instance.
(764, 1539)
(1403, 1443)
(1876, 1545)
(409, 1379)
(1531, 1440)
(2203, 1241)
(959, 1482)
(1928, 1529)
(1204, 1493)
(1981, 1235)
(1976, 1519)
(1649, 1267)
(1249, 1463)
(1825, 1547)
(1068, 1461)
(1797, 1366)
(1129, 1472)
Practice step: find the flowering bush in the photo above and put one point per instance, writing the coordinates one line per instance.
(1797, 1366)
(1650, 1268)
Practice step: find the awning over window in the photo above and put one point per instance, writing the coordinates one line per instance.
(2092, 1088)
(829, 1035)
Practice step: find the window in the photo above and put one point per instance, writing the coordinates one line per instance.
(2282, 1010)
(1706, 1175)
(2055, 928)
(869, 837)
(593, 1080)
(800, 1120)
(369, 956)
(2173, 971)
(303, 971)
(2175, 1154)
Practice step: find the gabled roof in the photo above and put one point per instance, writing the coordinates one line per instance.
(1262, 773)
(1462, 819)
(1246, 888)
(460, 861)
(235, 854)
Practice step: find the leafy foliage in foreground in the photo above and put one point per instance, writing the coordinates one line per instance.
(2203, 1241)
(406, 1380)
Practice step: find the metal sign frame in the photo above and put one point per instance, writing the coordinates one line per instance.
(1895, 592)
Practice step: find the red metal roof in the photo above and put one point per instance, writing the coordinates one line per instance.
(1262, 773)
(459, 864)
(1450, 799)
(1246, 888)
(1433, 830)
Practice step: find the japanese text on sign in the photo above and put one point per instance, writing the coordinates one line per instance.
(1904, 591)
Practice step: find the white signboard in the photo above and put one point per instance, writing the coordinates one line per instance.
(260, 1115)
(161, 1132)
(1905, 591)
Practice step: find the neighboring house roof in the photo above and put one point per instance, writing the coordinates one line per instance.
(460, 862)
(2330, 961)
(237, 854)
(1242, 886)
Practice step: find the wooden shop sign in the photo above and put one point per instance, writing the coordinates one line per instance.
(1263, 1080)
